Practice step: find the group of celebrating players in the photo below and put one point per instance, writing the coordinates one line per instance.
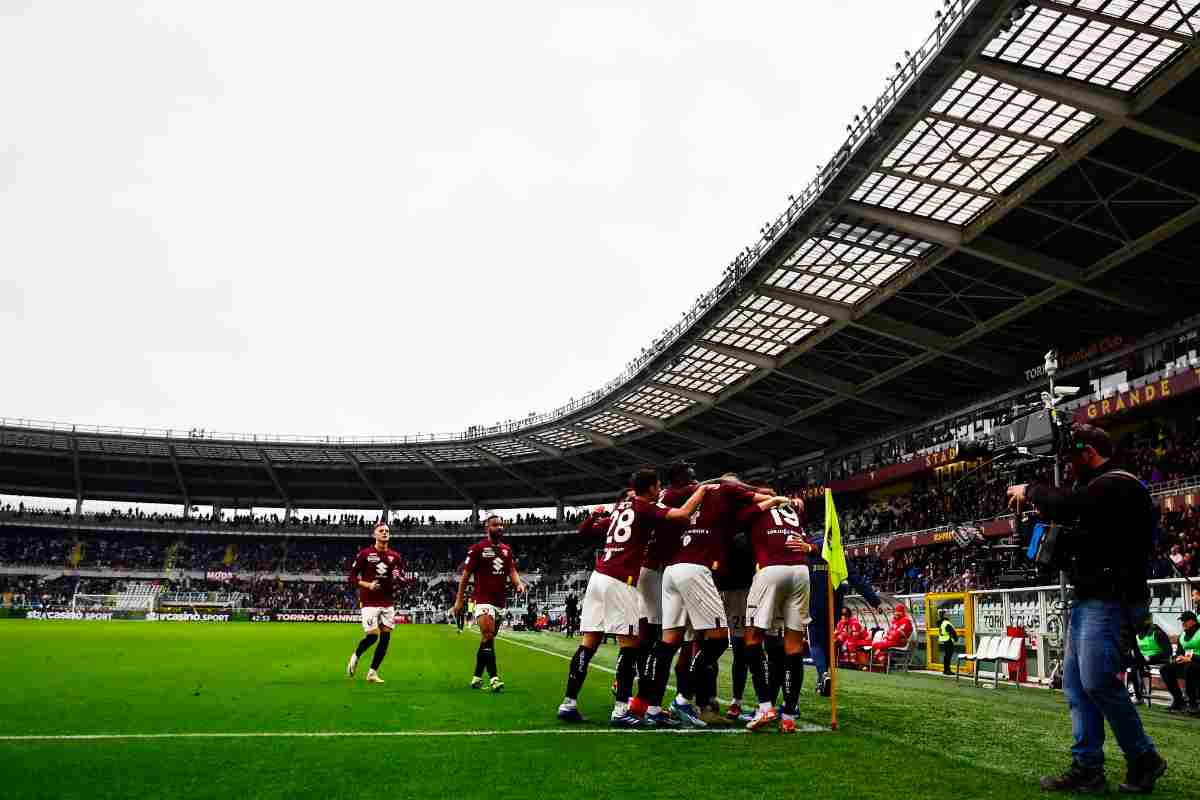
(678, 567)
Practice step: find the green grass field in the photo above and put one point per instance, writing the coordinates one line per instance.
(922, 735)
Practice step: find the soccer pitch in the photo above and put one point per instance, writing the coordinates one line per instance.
(229, 710)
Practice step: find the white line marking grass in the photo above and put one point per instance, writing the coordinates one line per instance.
(100, 737)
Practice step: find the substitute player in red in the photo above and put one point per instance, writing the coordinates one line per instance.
(492, 563)
(610, 604)
(377, 573)
(780, 590)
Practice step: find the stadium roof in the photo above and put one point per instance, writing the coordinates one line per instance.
(1029, 178)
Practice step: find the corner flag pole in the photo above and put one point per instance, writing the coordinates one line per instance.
(833, 657)
(835, 558)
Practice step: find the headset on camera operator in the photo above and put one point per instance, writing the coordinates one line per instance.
(1104, 543)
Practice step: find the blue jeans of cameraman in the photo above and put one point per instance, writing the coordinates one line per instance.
(1093, 689)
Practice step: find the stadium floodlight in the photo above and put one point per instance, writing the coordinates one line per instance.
(1064, 391)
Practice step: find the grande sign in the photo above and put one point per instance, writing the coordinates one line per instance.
(1163, 389)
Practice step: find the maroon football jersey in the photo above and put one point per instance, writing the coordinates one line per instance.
(769, 533)
(665, 542)
(371, 565)
(705, 538)
(490, 564)
(629, 530)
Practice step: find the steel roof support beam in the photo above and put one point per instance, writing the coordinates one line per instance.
(643, 456)
(827, 308)
(990, 249)
(749, 356)
(183, 490)
(1169, 126)
(931, 341)
(703, 398)
(444, 477)
(538, 487)
(1030, 304)
(828, 383)
(362, 475)
(575, 461)
(283, 494)
(995, 130)
(1116, 22)
(78, 475)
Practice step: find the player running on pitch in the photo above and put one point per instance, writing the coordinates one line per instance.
(780, 589)
(493, 565)
(377, 574)
(610, 604)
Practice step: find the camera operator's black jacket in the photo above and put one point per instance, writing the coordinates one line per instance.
(1109, 553)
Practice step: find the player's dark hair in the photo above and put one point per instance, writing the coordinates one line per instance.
(680, 472)
(623, 496)
(1090, 436)
(644, 479)
(489, 518)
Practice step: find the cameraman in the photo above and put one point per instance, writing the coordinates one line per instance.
(1105, 557)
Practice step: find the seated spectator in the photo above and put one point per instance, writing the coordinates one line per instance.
(898, 633)
(849, 633)
(1186, 665)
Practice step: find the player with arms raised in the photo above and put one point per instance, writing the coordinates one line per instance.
(377, 573)
(610, 604)
(493, 565)
(780, 590)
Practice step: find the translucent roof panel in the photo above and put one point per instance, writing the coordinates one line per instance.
(307, 454)
(982, 99)
(950, 170)
(1105, 54)
(923, 199)
(443, 454)
(764, 325)
(562, 438)
(192, 450)
(653, 402)
(610, 424)
(510, 448)
(389, 456)
(702, 370)
(847, 263)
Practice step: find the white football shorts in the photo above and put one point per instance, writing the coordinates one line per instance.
(609, 606)
(649, 590)
(486, 610)
(735, 610)
(690, 597)
(378, 617)
(779, 592)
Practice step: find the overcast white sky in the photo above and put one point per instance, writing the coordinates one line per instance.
(386, 218)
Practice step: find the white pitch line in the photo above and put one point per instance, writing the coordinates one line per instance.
(98, 737)
(609, 670)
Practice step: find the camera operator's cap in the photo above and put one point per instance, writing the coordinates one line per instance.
(1185, 616)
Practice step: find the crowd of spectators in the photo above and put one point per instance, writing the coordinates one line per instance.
(274, 521)
(1153, 452)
